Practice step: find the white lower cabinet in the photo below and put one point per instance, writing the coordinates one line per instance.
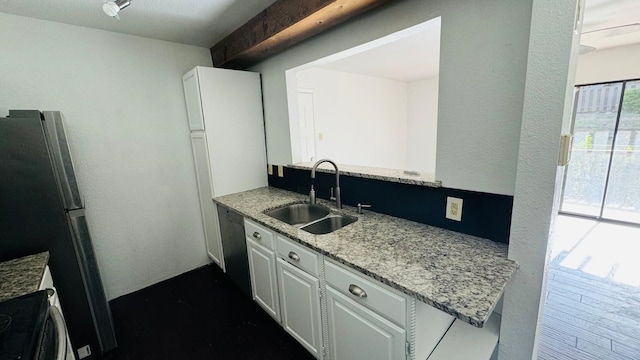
(262, 269)
(356, 332)
(300, 303)
(366, 320)
(335, 312)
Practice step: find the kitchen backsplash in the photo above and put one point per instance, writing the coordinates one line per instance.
(484, 215)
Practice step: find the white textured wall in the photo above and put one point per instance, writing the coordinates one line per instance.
(422, 125)
(482, 71)
(126, 121)
(620, 63)
(546, 113)
(363, 119)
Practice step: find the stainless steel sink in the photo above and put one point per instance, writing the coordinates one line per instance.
(329, 224)
(298, 214)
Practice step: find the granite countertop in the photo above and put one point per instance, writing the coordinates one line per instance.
(393, 175)
(460, 274)
(22, 275)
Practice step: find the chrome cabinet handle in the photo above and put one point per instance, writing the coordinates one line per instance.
(293, 256)
(257, 235)
(357, 291)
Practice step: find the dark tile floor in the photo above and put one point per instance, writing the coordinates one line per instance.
(592, 305)
(197, 315)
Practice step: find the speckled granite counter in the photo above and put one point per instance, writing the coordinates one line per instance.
(460, 274)
(22, 276)
(392, 175)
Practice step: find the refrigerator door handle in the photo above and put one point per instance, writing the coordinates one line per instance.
(61, 159)
(91, 277)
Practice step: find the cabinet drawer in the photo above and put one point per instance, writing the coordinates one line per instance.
(259, 234)
(377, 297)
(297, 255)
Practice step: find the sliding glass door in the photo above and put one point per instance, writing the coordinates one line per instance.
(622, 200)
(603, 178)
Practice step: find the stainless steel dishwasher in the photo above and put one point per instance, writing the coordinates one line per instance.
(234, 247)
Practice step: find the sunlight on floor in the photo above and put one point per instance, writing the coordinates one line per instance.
(601, 249)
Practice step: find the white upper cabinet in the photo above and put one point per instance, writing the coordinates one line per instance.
(227, 105)
(192, 98)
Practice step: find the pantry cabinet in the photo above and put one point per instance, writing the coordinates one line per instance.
(224, 109)
(209, 212)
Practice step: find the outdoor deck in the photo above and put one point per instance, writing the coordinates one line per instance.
(592, 306)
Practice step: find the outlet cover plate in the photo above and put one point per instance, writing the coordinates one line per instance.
(454, 208)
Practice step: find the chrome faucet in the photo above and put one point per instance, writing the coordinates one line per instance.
(312, 193)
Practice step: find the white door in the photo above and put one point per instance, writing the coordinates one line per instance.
(300, 300)
(209, 211)
(307, 125)
(356, 332)
(264, 284)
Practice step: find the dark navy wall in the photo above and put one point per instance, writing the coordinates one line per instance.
(484, 215)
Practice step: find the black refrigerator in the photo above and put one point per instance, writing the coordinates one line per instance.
(42, 210)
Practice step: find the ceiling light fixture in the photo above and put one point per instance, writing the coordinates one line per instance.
(112, 7)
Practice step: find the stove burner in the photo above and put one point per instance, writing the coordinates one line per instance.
(22, 321)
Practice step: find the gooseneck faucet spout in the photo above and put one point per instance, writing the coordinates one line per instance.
(312, 193)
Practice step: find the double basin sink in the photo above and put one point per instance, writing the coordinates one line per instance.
(312, 218)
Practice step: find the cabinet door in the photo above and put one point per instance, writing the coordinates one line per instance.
(264, 284)
(356, 332)
(300, 300)
(191, 85)
(209, 211)
(232, 108)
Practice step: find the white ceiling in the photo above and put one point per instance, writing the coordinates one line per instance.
(205, 22)
(408, 55)
(616, 15)
(201, 23)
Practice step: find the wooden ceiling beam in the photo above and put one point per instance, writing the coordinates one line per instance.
(281, 25)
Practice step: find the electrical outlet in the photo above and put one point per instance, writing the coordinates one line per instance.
(84, 351)
(454, 208)
(269, 169)
(280, 171)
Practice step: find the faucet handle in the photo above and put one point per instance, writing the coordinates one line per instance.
(362, 206)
